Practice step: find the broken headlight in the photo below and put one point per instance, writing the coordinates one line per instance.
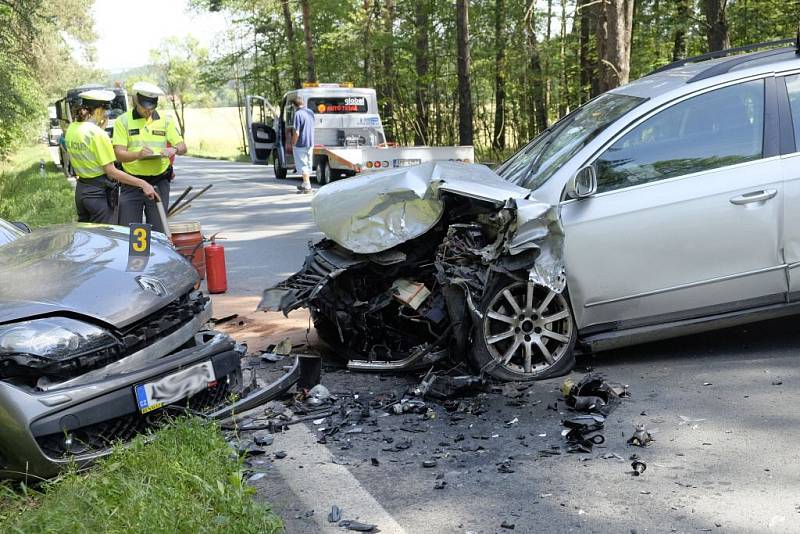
(52, 339)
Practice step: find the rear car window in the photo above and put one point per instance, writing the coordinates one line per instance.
(793, 87)
(716, 129)
(344, 104)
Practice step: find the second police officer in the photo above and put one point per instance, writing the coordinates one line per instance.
(141, 138)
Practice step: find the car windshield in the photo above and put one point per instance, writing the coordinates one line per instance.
(8, 232)
(536, 163)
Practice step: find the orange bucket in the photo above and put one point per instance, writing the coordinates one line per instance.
(188, 241)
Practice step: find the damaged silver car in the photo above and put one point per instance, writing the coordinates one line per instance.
(95, 350)
(654, 210)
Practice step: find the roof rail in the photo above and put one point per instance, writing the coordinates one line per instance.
(730, 51)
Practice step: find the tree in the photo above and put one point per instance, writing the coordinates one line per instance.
(682, 11)
(180, 62)
(465, 126)
(421, 21)
(614, 43)
(36, 61)
(388, 70)
(310, 64)
(716, 24)
(499, 134)
(287, 20)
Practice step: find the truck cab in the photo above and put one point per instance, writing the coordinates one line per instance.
(344, 116)
(348, 134)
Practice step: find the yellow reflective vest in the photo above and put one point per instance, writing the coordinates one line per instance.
(134, 132)
(89, 149)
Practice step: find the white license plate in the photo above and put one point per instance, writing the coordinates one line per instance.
(405, 162)
(175, 387)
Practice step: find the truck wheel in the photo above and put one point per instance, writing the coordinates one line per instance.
(527, 332)
(323, 172)
(280, 172)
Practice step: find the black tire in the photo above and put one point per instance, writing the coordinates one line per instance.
(323, 172)
(511, 344)
(280, 172)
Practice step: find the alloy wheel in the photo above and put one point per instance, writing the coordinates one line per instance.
(527, 327)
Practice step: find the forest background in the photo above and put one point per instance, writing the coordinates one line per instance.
(493, 73)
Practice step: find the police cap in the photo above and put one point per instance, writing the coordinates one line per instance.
(96, 98)
(147, 94)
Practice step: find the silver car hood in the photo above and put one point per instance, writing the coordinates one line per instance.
(83, 269)
(375, 212)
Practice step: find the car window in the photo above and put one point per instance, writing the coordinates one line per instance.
(793, 87)
(536, 163)
(712, 130)
(8, 232)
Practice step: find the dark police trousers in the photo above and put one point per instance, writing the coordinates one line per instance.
(94, 199)
(132, 201)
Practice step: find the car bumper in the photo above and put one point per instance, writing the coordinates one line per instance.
(44, 432)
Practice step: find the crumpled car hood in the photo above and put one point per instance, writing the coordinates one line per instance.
(82, 269)
(375, 212)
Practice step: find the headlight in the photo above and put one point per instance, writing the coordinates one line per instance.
(54, 339)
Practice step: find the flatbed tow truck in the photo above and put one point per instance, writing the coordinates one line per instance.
(348, 133)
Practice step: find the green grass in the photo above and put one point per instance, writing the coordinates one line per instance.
(214, 133)
(183, 480)
(27, 196)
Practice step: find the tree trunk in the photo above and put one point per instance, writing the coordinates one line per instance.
(716, 24)
(586, 64)
(682, 11)
(421, 58)
(539, 99)
(499, 135)
(388, 72)
(548, 85)
(564, 96)
(614, 43)
(464, 90)
(365, 43)
(287, 21)
(311, 66)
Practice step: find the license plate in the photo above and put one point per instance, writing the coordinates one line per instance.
(405, 162)
(175, 387)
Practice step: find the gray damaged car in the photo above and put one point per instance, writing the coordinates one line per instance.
(661, 208)
(95, 349)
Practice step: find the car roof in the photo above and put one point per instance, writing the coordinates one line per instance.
(682, 76)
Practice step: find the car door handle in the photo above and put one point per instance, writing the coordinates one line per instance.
(755, 196)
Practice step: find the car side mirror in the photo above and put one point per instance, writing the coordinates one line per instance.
(22, 226)
(583, 184)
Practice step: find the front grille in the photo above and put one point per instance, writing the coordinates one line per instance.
(163, 322)
(100, 437)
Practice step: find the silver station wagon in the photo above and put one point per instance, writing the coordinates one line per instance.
(661, 208)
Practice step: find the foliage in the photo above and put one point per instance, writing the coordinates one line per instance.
(36, 61)
(179, 61)
(28, 196)
(182, 480)
(550, 65)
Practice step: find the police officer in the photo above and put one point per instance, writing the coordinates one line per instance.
(92, 159)
(140, 143)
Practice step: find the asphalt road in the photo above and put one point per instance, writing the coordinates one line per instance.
(723, 409)
(265, 223)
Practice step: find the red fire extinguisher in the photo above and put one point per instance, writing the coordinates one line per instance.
(216, 278)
